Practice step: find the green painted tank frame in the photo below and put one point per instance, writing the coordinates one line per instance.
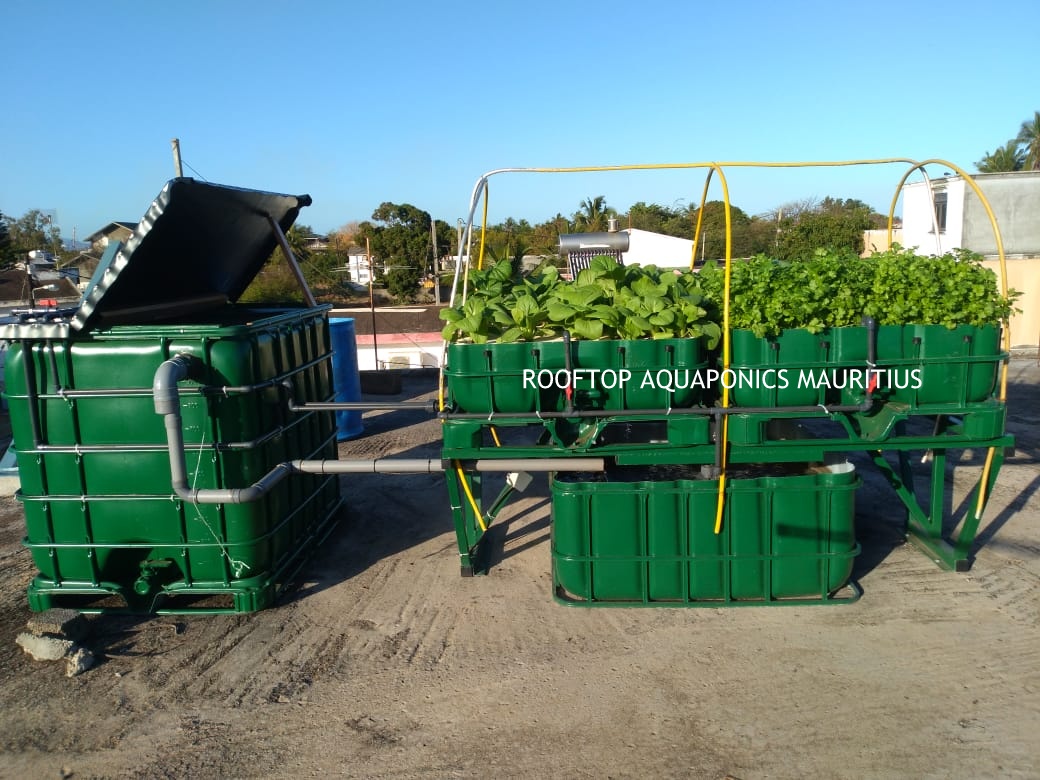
(688, 437)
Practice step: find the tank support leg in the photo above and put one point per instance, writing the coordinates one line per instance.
(924, 528)
(461, 489)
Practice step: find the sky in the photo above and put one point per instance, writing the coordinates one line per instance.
(412, 102)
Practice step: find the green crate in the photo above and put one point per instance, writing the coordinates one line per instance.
(769, 371)
(928, 364)
(922, 365)
(531, 376)
(784, 539)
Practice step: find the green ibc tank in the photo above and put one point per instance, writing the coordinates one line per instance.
(106, 530)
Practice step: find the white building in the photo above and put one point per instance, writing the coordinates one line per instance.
(359, 264)
(646, 248)
(945, 213)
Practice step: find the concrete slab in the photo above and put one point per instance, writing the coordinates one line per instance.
(9, 485)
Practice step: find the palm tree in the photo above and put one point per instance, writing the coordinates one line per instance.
(593, 215)
(1009, 157)
(507, 250)
(1029, 137)
(297, 237)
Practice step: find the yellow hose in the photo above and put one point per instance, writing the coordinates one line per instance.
(724, 433)
(987, 467)
(483, 228)
(469, 495)
(700, 219)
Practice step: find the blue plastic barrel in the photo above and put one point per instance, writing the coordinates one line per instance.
(345, 376)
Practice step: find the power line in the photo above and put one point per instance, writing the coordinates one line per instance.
(188, 165)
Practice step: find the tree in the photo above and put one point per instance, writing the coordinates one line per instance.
(1029, 137)
(344, 237)
(402, 240)
(1003, 159)
(852, 206)
(712, 244)
(34, 230)
(275, 283)
(446, 239)
(399, 235)
(833, 224)
(649, 216)
(297, 238)
(545, 237)
(592, 217)
(7, 258)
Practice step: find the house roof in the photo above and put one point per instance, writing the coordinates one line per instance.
(111, 227)
(81, 259)
(15, 287)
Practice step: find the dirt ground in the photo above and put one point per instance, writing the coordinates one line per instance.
(384, 662)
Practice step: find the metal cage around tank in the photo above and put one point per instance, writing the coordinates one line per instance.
(106, 530)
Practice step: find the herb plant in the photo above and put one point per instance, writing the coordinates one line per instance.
(832, 289)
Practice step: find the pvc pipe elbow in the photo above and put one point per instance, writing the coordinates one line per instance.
(164, 384)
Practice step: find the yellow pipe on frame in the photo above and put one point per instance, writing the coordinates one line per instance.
(988, 465)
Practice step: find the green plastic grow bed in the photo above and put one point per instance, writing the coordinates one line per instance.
(531, 376)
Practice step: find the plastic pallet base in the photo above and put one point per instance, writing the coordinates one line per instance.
(178, 598)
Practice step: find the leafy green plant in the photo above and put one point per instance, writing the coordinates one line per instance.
(606, 300)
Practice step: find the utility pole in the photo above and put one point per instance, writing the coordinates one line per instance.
(436, 265)
(372, 300)
(176, 144)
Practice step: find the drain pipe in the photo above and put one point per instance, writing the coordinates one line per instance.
(168, 404)
(872, 337)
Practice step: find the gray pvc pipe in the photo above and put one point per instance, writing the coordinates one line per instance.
(541, 464)
(168, 404)
(430, 466)
(377, 466)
